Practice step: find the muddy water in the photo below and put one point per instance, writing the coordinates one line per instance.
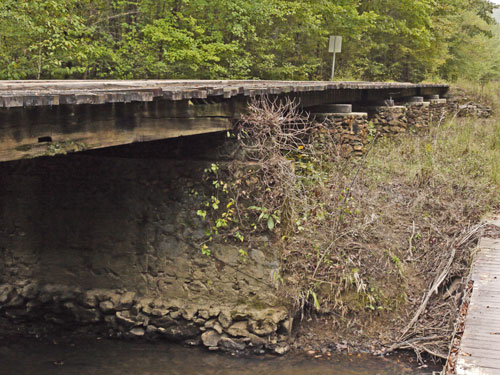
(95, 357)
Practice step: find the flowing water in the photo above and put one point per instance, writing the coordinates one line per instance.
(96, 357)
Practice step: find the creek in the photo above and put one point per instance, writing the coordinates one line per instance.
(21, 356)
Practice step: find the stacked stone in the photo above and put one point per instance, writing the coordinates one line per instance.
(419, 112)
(438, 109)
(119, 313)
(389, 120)
(474, 110)
(465, 106)
(349, 129)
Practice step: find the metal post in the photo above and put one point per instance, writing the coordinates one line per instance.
(333, 67)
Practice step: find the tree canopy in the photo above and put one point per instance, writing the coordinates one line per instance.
(408, 40)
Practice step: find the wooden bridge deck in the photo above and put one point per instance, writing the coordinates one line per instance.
(40, 93)
(480, 347)
(40, 118)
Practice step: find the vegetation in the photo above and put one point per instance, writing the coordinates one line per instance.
(407, 40)
(362, 239)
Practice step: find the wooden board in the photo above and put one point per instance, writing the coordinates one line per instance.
(480, 347)
(46, 93)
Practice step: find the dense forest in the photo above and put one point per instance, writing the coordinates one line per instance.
(406, 40)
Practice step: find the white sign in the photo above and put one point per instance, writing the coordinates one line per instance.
(335, 47)
(335, 44)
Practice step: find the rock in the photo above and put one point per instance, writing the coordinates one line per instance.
(262, 327)
(57, 293)
(89, 299)
(238, 329)
(239, 313)
(137, 332)
(287, 325)
(30, 291)
(231, 344)
(6, 293)
(164, 321)
(144, 305)
(83, 315)
(175, 314)
(159, 312)
(15, 301)
(225, 318)
(215, 325)
(210, 338)
(213, 311)
(281, 348)
(141, 319)
(203, 314)
(199, 321)
(256, 340)
(125, 301)
(124, 318)
(106, 306)
(150, 330)
(189, 312)
(181, 331)
(105, 294)
(257, 255)
(193, 342)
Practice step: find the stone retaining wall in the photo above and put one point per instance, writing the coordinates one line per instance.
(114, 241)
(126, 314)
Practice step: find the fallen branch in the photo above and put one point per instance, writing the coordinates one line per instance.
(441, 278)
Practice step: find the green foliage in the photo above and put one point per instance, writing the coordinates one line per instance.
(239, 39)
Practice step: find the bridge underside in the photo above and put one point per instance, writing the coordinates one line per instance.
(52, 117)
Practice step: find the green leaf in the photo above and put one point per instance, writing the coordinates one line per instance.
(270, 223)
(202, 214)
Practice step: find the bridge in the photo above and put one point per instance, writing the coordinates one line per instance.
(48, 117)
(480, 343)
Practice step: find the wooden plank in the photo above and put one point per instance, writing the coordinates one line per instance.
(480, 345)
(31, 93)
(103, 137)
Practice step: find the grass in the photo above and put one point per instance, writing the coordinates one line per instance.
(417, 198)
(460, 151)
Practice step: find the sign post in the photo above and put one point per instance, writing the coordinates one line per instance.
(335, 46)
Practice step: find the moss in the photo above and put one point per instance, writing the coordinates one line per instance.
(24, 148)
(64, 147)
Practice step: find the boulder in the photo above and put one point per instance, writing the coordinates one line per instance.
(238, 329)
(215, 325)
(231, 344)
(137, 332)
(225, 318)
(256, 341)
(125, 301)
(262, 327)
(210, 338)
(106, 306)
(181, 331)
(6, 293)
(124, 318)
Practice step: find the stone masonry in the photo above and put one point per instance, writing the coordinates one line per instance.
(112, 241)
